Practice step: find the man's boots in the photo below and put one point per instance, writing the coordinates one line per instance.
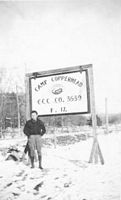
(40, 162)
(32, 162)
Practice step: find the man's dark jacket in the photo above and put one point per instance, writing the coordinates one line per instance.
(33, 127)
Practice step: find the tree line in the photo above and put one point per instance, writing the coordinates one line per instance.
(9, 114)
(9, 109)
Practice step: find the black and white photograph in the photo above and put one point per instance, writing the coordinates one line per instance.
(60, 100)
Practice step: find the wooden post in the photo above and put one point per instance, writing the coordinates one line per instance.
(95, 152)
(1, 132)
(28, 98)
(2, 107)
(18, 113)
(62, 124)
(106, 116)
(54, 131)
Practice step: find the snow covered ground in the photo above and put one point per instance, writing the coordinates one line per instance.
(67, 175)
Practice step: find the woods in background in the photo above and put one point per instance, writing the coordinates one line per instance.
(9, 110)
(9, 114)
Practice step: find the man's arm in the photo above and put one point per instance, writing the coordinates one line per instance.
(27, 129)
(43, 130)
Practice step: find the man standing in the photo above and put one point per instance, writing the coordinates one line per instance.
(34, 129)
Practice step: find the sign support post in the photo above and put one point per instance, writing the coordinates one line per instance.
(96, 151)
(28, 97)
(18, 111)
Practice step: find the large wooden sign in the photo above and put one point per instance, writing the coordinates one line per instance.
(61, 92)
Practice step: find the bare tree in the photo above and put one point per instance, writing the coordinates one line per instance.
(2, 75)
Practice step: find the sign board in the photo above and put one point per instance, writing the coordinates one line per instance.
(60, 93)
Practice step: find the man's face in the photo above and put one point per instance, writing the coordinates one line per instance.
(34, 116)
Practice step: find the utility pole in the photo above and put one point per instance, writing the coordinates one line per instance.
(106, 115)
(54, 129)
(1, 120)
(18, 112)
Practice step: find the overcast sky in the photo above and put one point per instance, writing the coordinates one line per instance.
(50, 34)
